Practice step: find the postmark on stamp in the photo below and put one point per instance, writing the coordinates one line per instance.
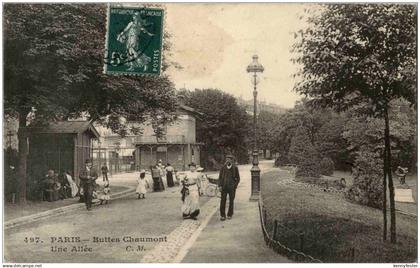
(134, 41)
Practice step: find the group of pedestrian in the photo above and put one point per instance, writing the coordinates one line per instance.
(62, 186)
(190, 183)
(229, 179)
(58, 186)
(89, 189)
(158, 172)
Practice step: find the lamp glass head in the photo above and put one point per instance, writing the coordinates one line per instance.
(255, 66)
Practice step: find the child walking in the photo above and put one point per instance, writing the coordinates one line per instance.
(105, 196)
(142, 185)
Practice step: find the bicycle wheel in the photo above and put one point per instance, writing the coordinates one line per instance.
(211, 190)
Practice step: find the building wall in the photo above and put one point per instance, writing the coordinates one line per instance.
(185, 125)
(50, 151)
(114, 151)
(173, 154)
(177, 155)
(261, 106)
(195, 157)
(83, 151)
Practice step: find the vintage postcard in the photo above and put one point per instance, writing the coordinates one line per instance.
(210, 133)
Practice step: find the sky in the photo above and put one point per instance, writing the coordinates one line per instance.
(214, 43)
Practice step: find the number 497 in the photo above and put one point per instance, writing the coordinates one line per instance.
(32, 240)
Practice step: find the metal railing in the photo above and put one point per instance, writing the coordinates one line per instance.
(277, 246)
(296, 247)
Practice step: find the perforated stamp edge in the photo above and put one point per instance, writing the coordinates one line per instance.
(132, 6)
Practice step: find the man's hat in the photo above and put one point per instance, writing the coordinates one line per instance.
(142, 171)
(192, 164)
(88, 160)
(230, 156)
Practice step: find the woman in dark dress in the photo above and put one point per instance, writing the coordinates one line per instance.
(169, 175)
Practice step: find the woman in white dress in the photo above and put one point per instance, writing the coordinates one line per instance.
(142, 185)
(73, 185)
(191, 184)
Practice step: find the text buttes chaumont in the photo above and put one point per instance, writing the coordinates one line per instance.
(129, 239)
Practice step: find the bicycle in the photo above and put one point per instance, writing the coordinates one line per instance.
(212, 188)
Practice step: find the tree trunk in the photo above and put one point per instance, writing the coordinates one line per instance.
(390, 181)
(384, 203)
(22, 158)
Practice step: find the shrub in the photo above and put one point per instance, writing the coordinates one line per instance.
(299, 146)
(304, 155)
(308, 169)
(327, 166)
(309, 166)
(282, 160)
(367, 188)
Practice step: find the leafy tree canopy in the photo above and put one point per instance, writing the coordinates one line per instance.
(53, 64)
(358, 53)
(224, 125)
(267, 123)
(361, 56)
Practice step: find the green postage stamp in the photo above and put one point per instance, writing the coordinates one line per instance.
(134, 41)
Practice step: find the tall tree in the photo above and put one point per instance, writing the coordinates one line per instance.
(304, 155)
(223, 127)
(266, 124)
(360, 55)
(53, 71)
(329, 140)
(293, 119)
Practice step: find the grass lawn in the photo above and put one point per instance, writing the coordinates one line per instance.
(332, 226)
(338, 174)
(411, 182)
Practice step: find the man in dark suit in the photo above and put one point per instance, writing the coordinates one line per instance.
(104, 170)
(88, 177)
(228, 182)
(156, 178)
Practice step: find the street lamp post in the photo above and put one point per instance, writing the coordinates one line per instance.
(254, 68)
(9, 139)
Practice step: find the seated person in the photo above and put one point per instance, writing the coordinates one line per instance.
(73, 186)
(50, 187)
(401, 173)
(65, 191)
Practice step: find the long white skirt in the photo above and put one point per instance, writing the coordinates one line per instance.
(73, 186)
(74, 189)
(191, 204)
